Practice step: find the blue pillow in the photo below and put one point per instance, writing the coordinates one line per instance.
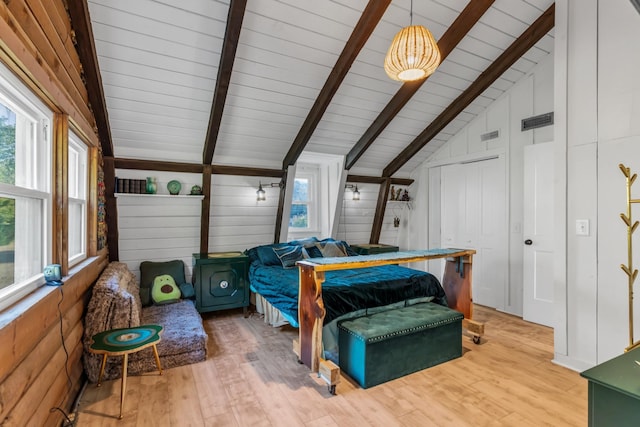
(305, 243)
(288, 255)
(313, 252)
(267, 255)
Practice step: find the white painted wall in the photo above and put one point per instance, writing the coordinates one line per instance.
(164, 228)
(591, 85)
(237, 221)
(596, 99)
(356, 218)
(603, 103)
(532, 95)
(159, 228)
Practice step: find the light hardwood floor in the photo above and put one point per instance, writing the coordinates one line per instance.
(251, 378)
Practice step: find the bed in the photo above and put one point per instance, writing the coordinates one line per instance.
(274, 278)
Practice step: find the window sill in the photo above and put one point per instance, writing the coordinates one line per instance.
(17, 309)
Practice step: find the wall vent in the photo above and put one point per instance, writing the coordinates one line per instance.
(490, 135)
(537, 121)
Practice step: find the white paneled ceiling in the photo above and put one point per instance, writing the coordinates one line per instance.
(159, 61)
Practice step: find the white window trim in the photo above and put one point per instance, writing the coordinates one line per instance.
(76, 144)
(19, 97)
(312, 173)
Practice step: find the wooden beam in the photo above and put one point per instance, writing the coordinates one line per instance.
(159, 165)
(227, 57)
(243, 171)
(155, 165)
(111, 208)
(280, 211)
(381, 206)
(361, 33)
(378, 180)
(206, 210)
(81, 24)
(519, 47)
(449, 40)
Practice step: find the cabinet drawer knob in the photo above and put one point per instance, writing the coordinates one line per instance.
(224, 284)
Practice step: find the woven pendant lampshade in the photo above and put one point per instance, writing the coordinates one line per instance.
(413, 54)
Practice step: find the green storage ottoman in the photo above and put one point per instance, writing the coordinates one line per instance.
(390, 344)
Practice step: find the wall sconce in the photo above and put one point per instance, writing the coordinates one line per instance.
(261, 195)
(356, 193)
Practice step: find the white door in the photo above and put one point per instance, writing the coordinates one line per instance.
(537, 303)
(491, 261)
(473, 201)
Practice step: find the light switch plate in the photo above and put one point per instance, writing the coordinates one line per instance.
(582, 227)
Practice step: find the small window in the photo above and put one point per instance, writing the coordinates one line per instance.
(304, 215)
(78, 177)
(25, 182)
(299, 217)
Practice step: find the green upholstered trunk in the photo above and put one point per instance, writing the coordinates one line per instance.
(390, 344)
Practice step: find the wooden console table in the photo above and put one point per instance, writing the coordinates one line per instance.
(456, 283)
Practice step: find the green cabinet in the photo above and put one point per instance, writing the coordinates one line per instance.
(221, 281)
(373, 248)
(614, 391)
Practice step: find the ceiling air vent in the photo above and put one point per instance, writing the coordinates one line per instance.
(537, 121)
(490, 135)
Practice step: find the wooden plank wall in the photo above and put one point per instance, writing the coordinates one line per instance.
(33, 375)
(37, 372)
(163, 228)
(356, 217)
(238, 221)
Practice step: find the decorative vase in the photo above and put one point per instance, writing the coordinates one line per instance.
(152, 185)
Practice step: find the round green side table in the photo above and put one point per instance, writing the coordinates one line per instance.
(122, 342)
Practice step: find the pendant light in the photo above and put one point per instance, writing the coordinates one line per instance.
(413, 54)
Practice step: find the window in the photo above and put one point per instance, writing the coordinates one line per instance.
(299, 217)
(77, 179)
(25, 200)
(304, 216)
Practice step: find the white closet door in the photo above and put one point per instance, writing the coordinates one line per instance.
(537, 304)
(474, 217)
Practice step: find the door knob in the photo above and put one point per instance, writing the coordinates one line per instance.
(528, 242)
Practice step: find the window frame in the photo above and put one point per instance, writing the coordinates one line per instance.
(77, 146)
(37, 182)
(312, 174)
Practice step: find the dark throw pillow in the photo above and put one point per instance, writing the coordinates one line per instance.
(289, 255)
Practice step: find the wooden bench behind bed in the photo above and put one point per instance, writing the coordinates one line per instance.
(456, 283)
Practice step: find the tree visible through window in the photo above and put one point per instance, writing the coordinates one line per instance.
(299, 217)
(7, 205)
(25, 188)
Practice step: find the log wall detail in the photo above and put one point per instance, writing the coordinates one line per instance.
(38, 373)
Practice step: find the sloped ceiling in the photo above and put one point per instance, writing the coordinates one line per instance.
(159, 60)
